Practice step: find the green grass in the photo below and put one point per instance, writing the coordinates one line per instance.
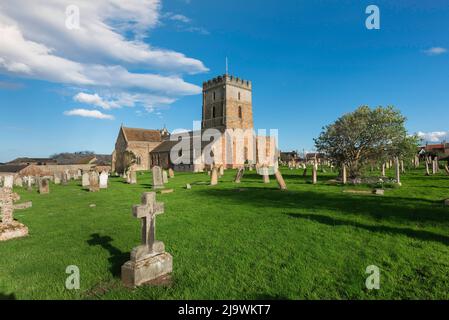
(246, 241)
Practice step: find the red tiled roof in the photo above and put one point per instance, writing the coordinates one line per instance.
(135, 134)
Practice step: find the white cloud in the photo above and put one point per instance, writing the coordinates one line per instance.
(89, 114)
(435, 136)
(179, 17)
(434, 51)
(35, 43)
(109, 100)
(93, 99)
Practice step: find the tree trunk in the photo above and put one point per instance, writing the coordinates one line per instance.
(398, 171)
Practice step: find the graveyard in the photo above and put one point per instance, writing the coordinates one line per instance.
(247, 240)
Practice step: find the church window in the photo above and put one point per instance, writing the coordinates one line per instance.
(213, 112)
(239, 95)
(240, 112)
(214, 95)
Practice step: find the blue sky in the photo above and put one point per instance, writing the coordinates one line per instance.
(310, 62)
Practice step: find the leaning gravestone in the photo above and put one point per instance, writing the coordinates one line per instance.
(158, 181)
(10, 228)
(280, 180)
(148, 261)
(8, 182)
(171, 173)
(85, 179)
(239, 175)
(104, 180)
(93, 182)
(164, 176)
(44, 186)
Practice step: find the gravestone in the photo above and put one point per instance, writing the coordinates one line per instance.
(10, 228)
(280, 180)
(132, 177)
(149, 261)
(93, 182)
(221, 172)
(85, 179)
(8, 182)
(104, 180)
(158, 182)
(64, 179)
(57, 178)
(18, 182)
(239, 175)
(214, 176)
(188, 186)
(44, 187)
(314, 173)
(171, 173)
(164, 176)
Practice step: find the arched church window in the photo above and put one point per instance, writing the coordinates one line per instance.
(240, 112)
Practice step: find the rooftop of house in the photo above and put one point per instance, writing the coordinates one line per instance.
(12, 168)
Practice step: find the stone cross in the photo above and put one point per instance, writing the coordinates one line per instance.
(147, 211)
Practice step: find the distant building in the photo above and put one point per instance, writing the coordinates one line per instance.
(227, 107)
(133, 147)
(287, 156)
(35, 161)
(439, 149)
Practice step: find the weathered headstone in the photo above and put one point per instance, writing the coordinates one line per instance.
(164, 176)
(8, 182)
(9, 228)
(93, 182)
(214, 176)
(148, 261)
(171, 173)
(239, 175)
(18, 181)
(104, 180)
(57, 178)
(64, 179)
(188, 186)
(44, 187)
(158, 182)
(314, 173)
(85, 179)
(132, 177)
(221, 171)
(280, 180)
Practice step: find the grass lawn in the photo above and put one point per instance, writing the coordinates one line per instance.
(247, 241)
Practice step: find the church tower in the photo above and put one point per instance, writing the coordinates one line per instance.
(227, 103)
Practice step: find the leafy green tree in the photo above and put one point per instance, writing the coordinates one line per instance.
(365, 135)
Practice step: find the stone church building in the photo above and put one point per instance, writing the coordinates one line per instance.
(227, 108)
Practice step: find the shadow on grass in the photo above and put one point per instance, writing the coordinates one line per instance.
(398, 209)
(117, 257)
(415, 234)
(10, 296)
